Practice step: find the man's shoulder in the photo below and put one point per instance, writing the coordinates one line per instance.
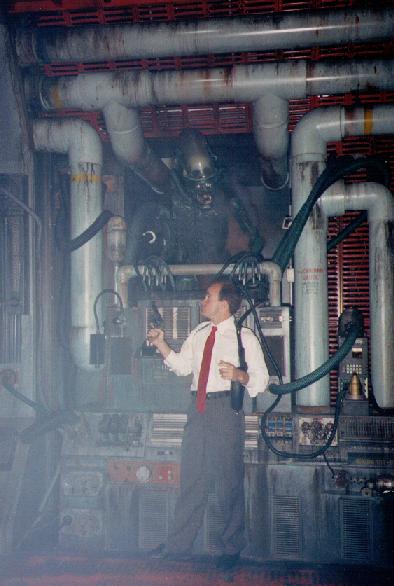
(247, 332)
(201, 326)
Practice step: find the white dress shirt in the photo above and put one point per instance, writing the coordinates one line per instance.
(188, 359)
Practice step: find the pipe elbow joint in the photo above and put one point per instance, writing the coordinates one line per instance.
(72, 136)
(312, 133)
(274, 274)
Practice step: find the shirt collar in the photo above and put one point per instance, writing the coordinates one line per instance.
(226, 324)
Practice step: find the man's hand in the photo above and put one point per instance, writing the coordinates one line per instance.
(155, 336)
(230, 372)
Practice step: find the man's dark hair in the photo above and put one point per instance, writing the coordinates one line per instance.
(230, 293)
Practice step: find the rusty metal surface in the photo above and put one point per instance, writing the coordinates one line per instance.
(80, 12)
(57, 570)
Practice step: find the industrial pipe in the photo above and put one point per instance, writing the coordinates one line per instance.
(308, 155)
(270, 127)
(83, 146)
(268, 85)
(267, 33)
(289, 80)
(378, 201)
(268, 268)
(128, 143)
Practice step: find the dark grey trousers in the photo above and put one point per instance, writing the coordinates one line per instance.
(211, 461)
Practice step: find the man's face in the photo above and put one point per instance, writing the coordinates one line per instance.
(212, 307)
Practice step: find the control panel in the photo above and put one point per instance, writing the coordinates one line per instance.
(120, 477)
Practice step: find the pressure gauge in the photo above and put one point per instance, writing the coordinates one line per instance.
(143, 474)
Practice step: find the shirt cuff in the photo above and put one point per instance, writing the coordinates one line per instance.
(169, 361)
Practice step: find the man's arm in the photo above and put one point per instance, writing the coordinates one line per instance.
(178, 362)
(257, 368)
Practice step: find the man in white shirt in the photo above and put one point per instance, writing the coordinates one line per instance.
(213, 441)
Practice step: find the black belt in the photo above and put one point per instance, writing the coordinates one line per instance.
(216, 395)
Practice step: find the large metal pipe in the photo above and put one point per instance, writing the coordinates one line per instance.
(309, 142)
(129, 145)
(268, 268)
(290, 80)
(266, 33)
(379, 203)
(83, 146)
(269, 86)
(270, 127)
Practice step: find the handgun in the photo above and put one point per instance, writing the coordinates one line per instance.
(156, 320)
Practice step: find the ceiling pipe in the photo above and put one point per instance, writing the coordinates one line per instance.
(290, 80)
(308, 160)
(268, 268)
(268, 85)
(83, 146)
(266, 33)
(379, 203)
(129, 145)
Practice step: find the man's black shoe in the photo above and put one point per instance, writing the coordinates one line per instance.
(227, 561)
(161, 553)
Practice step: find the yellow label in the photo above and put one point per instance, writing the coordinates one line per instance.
(55, 98)
(86, 177)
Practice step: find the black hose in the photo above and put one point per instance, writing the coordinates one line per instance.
(333, 172)
(38, 408)
(351, 326)
(105, 292)
(232, 260)
(89, 233)
(46, 424)
(262, 340)
(320, 451)
(322, 370)
(351, 227)
(237, 259)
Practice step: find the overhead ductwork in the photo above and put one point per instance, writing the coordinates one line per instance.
(267, 33)
(83, 146)
(308, 156)
(267, 84)
(133, 89)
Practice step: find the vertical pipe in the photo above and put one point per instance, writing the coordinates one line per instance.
(82, 144)
(309, 143)
(86, 262)
(379, 202)
(311, 312)
(270, 121)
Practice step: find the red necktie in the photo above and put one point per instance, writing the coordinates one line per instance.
(204, 370)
